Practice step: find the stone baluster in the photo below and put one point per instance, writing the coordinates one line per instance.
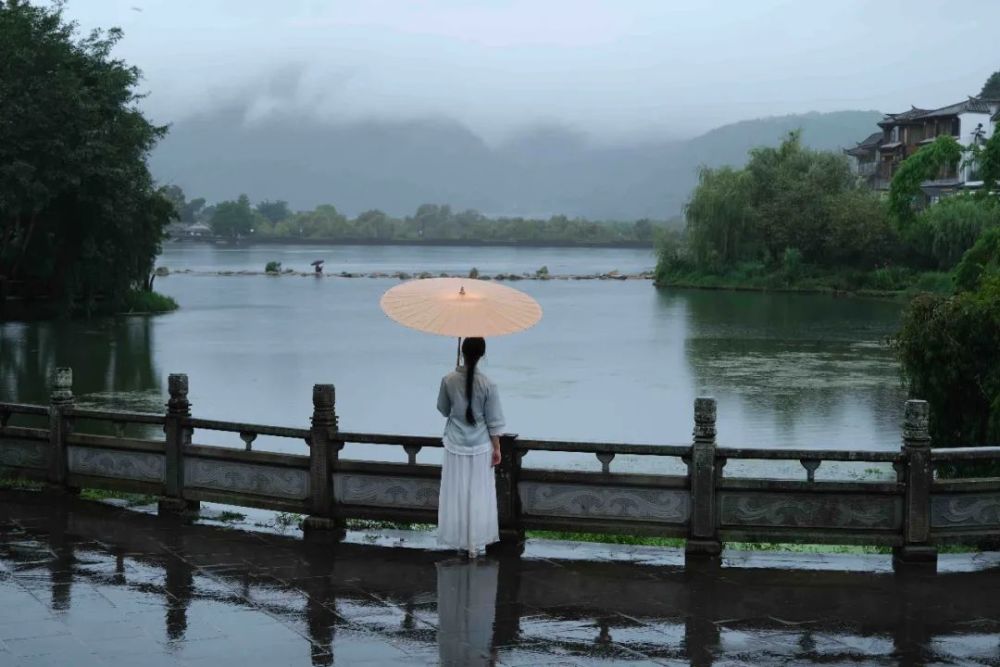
(61, 399)
(324, 450)
(508, 473)
(919, 478)
(703, 538)
(178, 438)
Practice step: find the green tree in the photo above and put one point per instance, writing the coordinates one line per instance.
(991, 89)
(950, 351)
(719, 218)
(175, 195)
(78, 208)
(987, 158)
(949, 228)
(193, 209)
(275, 211)
(786, 197)
(982, 259)
(233, 219)
(377, 225)
(643, 230)
(927, 163)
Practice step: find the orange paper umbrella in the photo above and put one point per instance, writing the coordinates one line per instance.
(461, 307)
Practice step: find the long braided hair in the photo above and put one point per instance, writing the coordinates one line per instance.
(473, 350)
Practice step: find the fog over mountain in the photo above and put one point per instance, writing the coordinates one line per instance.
(588, 107)
(398, 165)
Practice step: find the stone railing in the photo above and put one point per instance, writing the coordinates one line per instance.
(912, 513)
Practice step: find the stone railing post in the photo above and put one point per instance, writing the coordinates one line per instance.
(60, 400)
(508, 473)
(919, 478)
(324, 451)
(178, 437)
(703, 538)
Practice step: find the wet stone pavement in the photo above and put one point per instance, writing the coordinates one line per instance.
(86, 584)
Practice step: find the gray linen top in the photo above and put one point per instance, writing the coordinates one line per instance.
(461, 437)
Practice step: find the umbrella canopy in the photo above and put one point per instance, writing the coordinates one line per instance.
(461, 307)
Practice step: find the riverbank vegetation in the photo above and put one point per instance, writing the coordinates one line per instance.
(81, 220)
(430, 223)
(949, 345)
(798, 219)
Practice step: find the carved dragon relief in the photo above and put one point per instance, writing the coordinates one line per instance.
(380, 491)
(627, 503)
(260, 480)
(960, 510)
(142, 466)
(800, 511)
(23, 453)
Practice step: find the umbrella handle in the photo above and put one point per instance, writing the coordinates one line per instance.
(458, 354)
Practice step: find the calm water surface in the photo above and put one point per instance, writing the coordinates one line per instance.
(617, 361)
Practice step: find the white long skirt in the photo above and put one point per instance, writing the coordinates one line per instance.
(467, 505)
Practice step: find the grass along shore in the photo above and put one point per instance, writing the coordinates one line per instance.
(754, 276)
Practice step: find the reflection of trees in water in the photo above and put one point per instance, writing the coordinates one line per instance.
(793, 355)
(112, 362)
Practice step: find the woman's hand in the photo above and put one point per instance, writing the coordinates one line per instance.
(496, 450)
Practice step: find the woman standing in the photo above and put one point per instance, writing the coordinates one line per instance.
(467, 505)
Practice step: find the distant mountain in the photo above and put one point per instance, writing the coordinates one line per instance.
(398, 166)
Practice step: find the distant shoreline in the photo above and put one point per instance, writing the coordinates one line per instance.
(457, 243)
(164, 272)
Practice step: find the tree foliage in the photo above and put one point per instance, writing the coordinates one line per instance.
(950, 345)
(926, 164)
(233, 219)
(430, 222)
(950, 351)
(991, 89)
(944, 231)
(787, 197)
(275, 211)
(78, 209)
(987, 160)
(982, 260)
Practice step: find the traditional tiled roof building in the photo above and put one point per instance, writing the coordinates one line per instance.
(970, 122)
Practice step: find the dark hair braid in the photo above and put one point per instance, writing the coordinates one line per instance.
(473, 350)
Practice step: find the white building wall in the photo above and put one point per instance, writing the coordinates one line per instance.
(968, 123)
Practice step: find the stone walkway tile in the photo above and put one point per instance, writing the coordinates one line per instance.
(55, 645)
(48, 627)
(143, 660)
(526, 657)
(78, 660)
(101, 632)
(355, 646)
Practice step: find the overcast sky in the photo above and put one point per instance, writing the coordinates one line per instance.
(617, 70)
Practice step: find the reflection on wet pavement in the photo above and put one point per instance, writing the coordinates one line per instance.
(86, 584)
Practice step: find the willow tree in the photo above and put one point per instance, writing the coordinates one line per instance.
(78, 207)
(718, 217)
(788, 202)
(924, 165)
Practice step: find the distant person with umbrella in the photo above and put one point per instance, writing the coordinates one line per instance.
(318, 267)
(470, 401)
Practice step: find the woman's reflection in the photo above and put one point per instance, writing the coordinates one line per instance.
(467, 596)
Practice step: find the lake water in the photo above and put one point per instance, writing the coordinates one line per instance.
(610, 360)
